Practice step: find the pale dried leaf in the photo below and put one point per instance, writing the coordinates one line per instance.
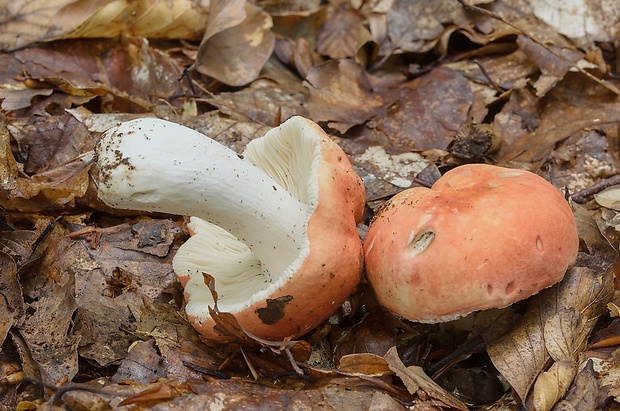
(565, 334)
(551, 385)
(415, 379)
(591, 20)
(609, 197)
(41, 20)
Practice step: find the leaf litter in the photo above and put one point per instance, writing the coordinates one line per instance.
(92, 315)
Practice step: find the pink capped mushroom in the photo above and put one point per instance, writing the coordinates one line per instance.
(482, 237)
(276, 227)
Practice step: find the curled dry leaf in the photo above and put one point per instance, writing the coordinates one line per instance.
(552, 384)
(415, 379)
(40, 20)
(55, 188)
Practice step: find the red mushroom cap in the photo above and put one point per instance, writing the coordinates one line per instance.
(482, 237)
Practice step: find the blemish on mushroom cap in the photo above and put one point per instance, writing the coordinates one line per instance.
(518, 235)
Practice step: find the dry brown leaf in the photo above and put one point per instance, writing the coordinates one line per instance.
(366, 364)
(161, 392)
(47, 328)
(415, 379)
(426, 115)
(237, 42)
(341, 94)
(552, 384)
(261, 102)
(55, 188)
(40, 20)
(12, 307)
(589, 20)
(415, 26)
(583, 393)
(339, 37)
(521, 354)
(131, 73)
(553, 61)
(565, 334)
(564, 112)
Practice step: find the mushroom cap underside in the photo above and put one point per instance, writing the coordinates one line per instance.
(332, 265)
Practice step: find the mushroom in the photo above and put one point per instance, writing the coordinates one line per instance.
(481, 237)
(276, 227)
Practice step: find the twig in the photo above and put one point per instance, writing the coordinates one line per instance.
(581, 197)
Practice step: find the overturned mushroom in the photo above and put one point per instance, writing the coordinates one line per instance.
(276, 227)
(481, 237)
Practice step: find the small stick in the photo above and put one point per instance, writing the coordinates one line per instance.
(581, 197)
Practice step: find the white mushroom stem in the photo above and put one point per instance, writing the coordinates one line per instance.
(158, 166)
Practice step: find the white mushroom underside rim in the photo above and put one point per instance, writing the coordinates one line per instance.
(292, 160)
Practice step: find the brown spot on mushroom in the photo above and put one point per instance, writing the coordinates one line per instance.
(274, 311)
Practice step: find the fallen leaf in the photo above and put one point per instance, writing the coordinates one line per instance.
(417, 26)
(587, 20)
(426, 115)
(341, 94)
(565, 334)
(583, 393)
(364, 364)
(521, 354)
(47, 327)
(12, 306)
(237, 42)
(416, 380)
(339, 36)
(39, 20)
(161, 392)
(552, 384)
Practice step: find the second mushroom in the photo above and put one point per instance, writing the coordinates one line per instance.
(276, 227)
(481, 237)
